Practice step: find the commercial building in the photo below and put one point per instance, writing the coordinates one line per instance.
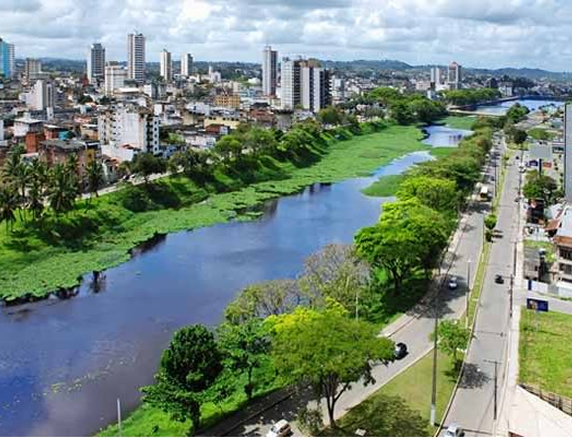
(269, 71)
(7, 59)
(186, 65)
(136, 57)
(568, 152)
(32, 69)
(115, 77)
(96, 63)
(129, 126)
(166, 66)
(454, 76)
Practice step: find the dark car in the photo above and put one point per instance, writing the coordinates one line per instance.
(499, 279)
(400, 350)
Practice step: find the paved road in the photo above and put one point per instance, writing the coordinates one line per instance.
(413, 329)
(473, 404)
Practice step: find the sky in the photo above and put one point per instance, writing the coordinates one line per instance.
(475, 33)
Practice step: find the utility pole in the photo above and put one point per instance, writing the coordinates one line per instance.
(434, 385)
(511, 296)
(357, 304)
(468, 293)
(496, 363)
(119, 416)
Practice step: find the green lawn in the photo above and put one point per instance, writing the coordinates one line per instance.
(386, 185)
(39, 262)
(541, 134)
(459, 122)
(545, 356)
(402, 407)
(442, 151)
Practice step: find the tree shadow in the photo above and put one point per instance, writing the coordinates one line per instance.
(473, 377)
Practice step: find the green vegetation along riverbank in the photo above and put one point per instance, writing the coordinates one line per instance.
(100, 235)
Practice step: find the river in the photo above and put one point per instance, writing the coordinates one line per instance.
(64, 363)
(532, 104)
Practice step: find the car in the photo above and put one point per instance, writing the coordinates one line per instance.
(280, 428)
(454, 430)
(453, 283)
(499, 279)
(400, 350)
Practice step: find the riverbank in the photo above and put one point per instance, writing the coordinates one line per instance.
(37, 265)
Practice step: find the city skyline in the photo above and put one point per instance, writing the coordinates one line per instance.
(484, 34)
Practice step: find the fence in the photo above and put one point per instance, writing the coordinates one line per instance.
(559, 402)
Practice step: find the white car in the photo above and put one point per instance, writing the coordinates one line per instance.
(453, 283)
(281, 428)
(454, 431)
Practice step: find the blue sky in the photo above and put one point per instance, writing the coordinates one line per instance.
(478, 33)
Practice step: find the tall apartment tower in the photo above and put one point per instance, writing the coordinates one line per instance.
(568, 153)
(32, 69)
(435, 78)
(166, 66)
(290, 83)
(269, 71)
(136, 57)
(115, 77)
(96, 63)
(454, 76)
(315, 90)
(186, 65)
(7, 59)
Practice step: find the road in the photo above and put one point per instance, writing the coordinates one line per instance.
(413, 329)
(473, 405)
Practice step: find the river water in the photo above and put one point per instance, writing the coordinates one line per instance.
(64, 363)
(532, 104)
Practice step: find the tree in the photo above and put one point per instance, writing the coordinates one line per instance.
(408, 235)
(229, 147)
(519, 136)
(437, 193)
(146, 164)
(330, 116)
(245, 348)
(95, 176)
(260, 300)
(63, 188)
(8, 205)
(540, 186)
(190, 364)
(328, 350)
(334, 272)
(37, 187)
(452, 337)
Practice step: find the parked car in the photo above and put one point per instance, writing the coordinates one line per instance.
(454, 430)
(280, 428)
(453, 283)
(400, 350)
(499, 279)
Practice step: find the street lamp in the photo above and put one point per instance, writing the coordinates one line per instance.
(468, 293)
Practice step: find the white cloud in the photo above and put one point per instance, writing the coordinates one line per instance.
(484, 33)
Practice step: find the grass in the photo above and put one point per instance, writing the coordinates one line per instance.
(441, 152)
(547, 246)
(459, 122)
(541, 134)
(402, 406)
(545, 356)
(385, 186)
(41, 261)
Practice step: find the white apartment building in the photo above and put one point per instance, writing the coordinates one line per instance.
(129, 127)
(454, 76)
(186, 65)
(290, 83)
(32, 69)
(315, 86)
(115, 77)
(41, 96)
(136, 57)
(166, 66)
(96, 63)
(269, 71)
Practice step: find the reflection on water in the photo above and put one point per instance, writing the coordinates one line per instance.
(63, 364)
(532, 104)
(444, 136)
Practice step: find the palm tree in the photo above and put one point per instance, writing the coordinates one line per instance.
(38, 177)
(63, 188)
(95, 176)
(9, 203)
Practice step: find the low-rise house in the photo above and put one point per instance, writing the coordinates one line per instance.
(561, 229)
(58, 151)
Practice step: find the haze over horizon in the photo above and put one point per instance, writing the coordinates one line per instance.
(480, 34)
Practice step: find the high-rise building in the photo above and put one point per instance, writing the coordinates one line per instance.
(129, 126)
(436, 78)
(269, 71)
(96, 63)
(41, 96)
(315, 90)
(290, 83)
(115, 77)
(186, 65)
(136, 57)
(568, 152)
(454, 76)
(32, 69)
(7, 59)
(166, 66)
